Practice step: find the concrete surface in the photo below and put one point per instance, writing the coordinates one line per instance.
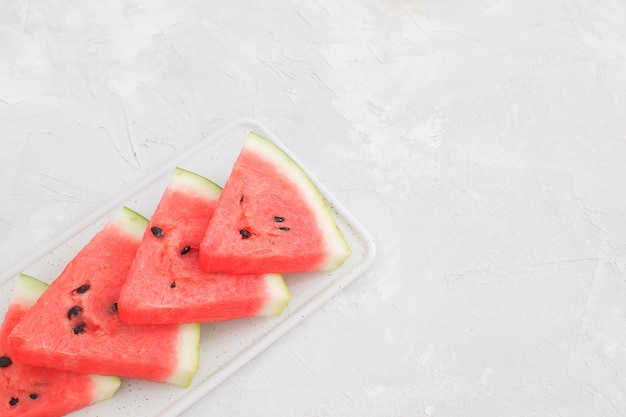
(482, 143)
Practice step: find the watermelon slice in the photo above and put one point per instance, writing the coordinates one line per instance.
(74, 326)
(32, 391)
(166, 284)
(271, 218)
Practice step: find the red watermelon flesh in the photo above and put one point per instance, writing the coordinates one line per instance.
(271, 218)
(33, 391)
(166, 284)
(74, 326)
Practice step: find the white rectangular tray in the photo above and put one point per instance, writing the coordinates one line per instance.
(224, 347)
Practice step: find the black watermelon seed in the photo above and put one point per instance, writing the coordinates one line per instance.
(279, 219)
(185, 250)
(5, 361)
(241, 199)
(14, 401)
(79, 328)
(157, 231)
(33, 396)
(74, 311)
(285, 228)
(173, 285)
(113, 308)
(83, 289)
(245, 234)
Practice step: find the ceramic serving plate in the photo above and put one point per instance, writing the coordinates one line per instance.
(226, 346)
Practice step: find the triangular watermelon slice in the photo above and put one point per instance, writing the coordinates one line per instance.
(33, 391)
(74, 326)
(166, 284)
(271, 218)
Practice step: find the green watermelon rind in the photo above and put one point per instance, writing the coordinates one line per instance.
(131, 222)
(188, 179)
(27, 291)
(336, 245)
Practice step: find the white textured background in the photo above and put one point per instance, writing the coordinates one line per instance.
(482, 143)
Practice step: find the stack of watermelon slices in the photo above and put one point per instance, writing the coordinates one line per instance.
(130, 302)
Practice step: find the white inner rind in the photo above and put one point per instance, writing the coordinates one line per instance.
(278, 295)
(104, 387)
(131, 222)
(28, 290)
(187, 179)
(188, 352)
(337, 248)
